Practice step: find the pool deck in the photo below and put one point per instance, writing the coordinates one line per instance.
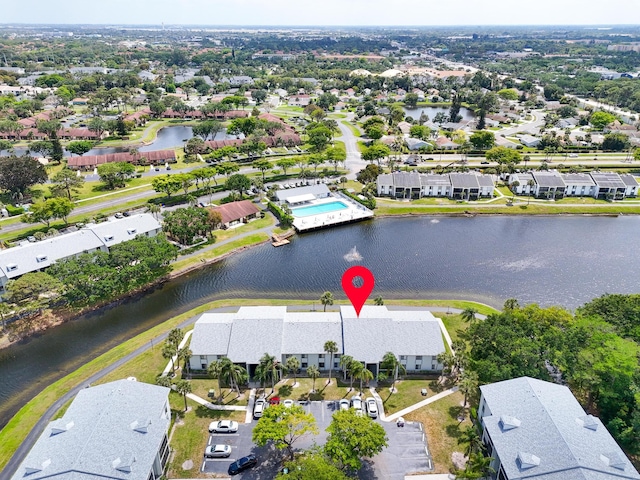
(354, 213)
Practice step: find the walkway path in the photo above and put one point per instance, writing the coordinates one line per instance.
(416, 406)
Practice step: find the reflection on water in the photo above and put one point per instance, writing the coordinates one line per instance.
(547, 260)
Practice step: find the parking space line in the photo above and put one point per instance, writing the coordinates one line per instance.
(220, 459)
(204, 462)
(209, 442)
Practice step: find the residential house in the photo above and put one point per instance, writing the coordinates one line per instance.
(34, 256)
(243, 337)
(537, 430)
(549, 185)
(416, 143)
(118, 430)
(237, 213)
(404, 127)
(579, 185)
(529, 141)
(631, 183)
(525, 183)
(443, 143)
(609, 185)
(299, 100)
(503, 142)
(413, 185)
(153, 157)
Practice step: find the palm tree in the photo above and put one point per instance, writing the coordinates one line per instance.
(391, 363)
(468, 384)
(478, 466)
(183, 387)
(269, 367)
(469, 314)
(378, 300)
(292, 365)
(314, 373)
(184, 354)
(330, 347)
(154, 210)
(530, 184)
(234, 374)
(163, 380)
(471, 437)
(326, 299)
(355, 370)
(175, 336)
(345, 364)
(215, 370)
(363, 374)
(169, 351)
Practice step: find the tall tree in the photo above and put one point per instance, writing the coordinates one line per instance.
(314, 373)
(353, 437)
(326, 299)
(284, 426)
(183, 387)
(393, 365)
(292, 365)
(238, 182)
(17, 174)
(331, 348)
(66, 182)
(469, 314)
(115, 175)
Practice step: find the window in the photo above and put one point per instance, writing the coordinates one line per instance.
(321, 355)
(303, 364)
(418, 366)
(418, 358)
(203, 358)
(321, 364)
(304, 355)
(403, 357)
(335, 364)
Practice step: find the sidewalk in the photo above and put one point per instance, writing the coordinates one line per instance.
(421, 404)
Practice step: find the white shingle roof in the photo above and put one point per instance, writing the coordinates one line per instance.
(118, 231)
(555, 439)
(253, 331)
(112, 431)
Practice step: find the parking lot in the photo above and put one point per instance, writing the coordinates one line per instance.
(407, 451)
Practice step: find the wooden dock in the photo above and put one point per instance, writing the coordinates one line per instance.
(278, 241)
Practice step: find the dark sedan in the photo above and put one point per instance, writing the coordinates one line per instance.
(242, 464)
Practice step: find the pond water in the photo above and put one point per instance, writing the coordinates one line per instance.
(547, 260)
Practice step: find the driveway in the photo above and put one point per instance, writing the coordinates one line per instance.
(407, 452)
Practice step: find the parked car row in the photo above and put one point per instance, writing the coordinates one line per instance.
(222, 450)
(369, 405)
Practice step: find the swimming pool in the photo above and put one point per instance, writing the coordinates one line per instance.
(317, 209)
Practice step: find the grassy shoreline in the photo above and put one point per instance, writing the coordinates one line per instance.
(17, 429)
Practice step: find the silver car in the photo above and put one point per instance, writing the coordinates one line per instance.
(223, 426)
(372, 407)
(217, 451)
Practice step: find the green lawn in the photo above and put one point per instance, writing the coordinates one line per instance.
(407, 394)
(284, 389)
(440, 420)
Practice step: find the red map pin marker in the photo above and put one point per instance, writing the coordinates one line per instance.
(358, 295)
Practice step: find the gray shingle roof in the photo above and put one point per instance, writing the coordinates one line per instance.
(485, 181)
(38, 255)
(406, 180)
(435, 180)
(464, 180)
(124, 229)
(107, 430)
(554, 428)
(378, 331)
(253, 331)
(629, 180)
(577, 179)
(307, 332)
(607, 180)
(548, 179)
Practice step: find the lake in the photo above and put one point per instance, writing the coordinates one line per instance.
(547, 260)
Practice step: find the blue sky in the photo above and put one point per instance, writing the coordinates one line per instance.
(324, 12)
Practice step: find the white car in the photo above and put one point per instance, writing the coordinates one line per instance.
(356, 403)
(344, 404)
(372, 407)
(258, 408)
(218, 451)
(288, 403)
(223, 426)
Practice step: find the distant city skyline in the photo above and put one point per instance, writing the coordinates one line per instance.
(325, 13)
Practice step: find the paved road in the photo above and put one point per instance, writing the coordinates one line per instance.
(354, 162)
